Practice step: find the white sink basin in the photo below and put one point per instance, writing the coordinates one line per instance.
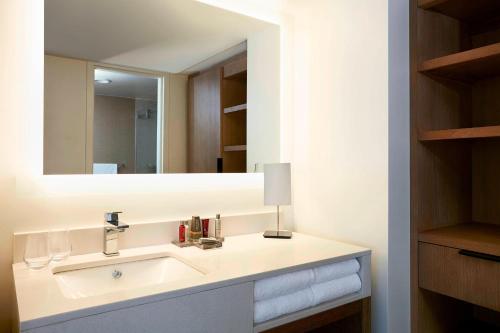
(111, 277)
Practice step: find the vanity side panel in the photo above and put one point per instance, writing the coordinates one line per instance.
(365, 275)
(228, 309)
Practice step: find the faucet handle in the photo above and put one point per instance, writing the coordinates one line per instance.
(121, 226)
(112, 218)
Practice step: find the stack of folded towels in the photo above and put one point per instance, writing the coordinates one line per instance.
(287, 293)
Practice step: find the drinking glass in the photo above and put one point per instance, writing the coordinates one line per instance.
(59, 244)
(36, 252)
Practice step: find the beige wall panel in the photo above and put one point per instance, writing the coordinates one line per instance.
(177, 114)
(114, 132)
(64, 115)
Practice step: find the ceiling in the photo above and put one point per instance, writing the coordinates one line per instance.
(163, 35)
(125, 85)
(216, 59)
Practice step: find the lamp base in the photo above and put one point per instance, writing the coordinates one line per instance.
(282, 234)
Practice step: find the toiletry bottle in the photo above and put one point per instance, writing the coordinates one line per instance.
(196, 228)
(187, 231)
(182, 233)
(218, 227)
(205, 223)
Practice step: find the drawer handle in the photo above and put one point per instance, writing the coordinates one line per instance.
(479, 255)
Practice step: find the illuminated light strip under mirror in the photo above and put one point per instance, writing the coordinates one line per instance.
(152, 86)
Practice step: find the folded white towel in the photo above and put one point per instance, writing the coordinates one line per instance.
(278, 306)
(310, 296)
(335, 270)
(283, 284)
(331, 290)
(290, 282)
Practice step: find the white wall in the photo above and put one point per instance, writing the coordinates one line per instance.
(263, 98)
(15, 99)
(340, 129)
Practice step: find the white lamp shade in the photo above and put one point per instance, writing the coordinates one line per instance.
(277, 184)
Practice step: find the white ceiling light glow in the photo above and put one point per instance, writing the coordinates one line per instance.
(103, 81)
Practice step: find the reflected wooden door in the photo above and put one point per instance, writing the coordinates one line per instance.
(204, 121)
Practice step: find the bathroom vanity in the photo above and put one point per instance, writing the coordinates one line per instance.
(165, 288)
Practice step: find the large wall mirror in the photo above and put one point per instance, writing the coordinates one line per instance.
(158, 86)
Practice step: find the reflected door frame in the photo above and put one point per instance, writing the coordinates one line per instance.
(161, 147)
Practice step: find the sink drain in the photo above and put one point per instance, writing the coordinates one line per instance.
(116, 274)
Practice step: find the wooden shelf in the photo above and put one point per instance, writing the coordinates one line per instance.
(477, 237)
(472, 65)
(236, 69)
(467, 10)
(241, 107)
(460, 133)
(233, 114)
(235, 148)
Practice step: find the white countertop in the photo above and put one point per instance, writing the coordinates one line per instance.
(241, 259)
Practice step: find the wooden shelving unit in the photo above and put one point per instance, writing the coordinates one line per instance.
(455, 178)
(471, 65)
(217, 113)
(461, 133)
(236, 69)
(467, 10)
(241, 107)
(234, 115)
(235, 148)
(477, 237)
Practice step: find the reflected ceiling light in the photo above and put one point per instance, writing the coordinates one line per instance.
(103, 81)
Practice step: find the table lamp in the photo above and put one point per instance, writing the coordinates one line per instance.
(277, 191)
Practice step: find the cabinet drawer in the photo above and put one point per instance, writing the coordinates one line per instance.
(444, 270)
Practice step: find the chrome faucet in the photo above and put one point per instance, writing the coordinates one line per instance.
(111, 229)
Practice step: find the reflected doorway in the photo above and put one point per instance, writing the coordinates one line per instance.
(127, 127)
